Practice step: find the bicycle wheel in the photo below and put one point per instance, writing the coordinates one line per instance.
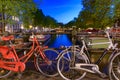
(49, 70)
(68, 72)
(4, 72)
(114, 67)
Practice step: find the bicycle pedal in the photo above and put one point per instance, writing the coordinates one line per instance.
(103, 75)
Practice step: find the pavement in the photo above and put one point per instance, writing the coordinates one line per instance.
(31, 74)
(34, 75)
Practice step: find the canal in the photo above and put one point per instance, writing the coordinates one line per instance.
(57, 41)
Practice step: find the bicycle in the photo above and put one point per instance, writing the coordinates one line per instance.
(44, 58)
(114, 67)
(77, 61)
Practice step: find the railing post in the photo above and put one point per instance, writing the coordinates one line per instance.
(74, 35)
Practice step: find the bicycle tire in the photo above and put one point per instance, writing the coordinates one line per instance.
(67, 73)
(49, 70)
(4, 73)
(114, 67)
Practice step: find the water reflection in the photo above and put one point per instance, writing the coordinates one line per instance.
(59, 40)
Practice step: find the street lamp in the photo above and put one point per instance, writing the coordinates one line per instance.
(30, 26)
(22, 26)
(108, 28)
(36, 28)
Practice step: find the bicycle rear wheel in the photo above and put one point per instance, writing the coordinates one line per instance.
(46, 69)
(68, 72)
(114, 67)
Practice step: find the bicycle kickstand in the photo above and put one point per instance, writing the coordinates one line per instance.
(102, 75)
(19, 74)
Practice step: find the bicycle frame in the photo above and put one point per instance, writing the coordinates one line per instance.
(18, 64)
(78, 61)
(110, 46)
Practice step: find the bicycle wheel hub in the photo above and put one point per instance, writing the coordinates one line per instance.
(49, 62)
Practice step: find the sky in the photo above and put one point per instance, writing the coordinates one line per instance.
(61, 10)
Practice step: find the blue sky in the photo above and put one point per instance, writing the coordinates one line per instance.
(61, 10)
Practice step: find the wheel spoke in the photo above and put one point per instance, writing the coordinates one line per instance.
(45, 68)
(69, 72)
(114, 68)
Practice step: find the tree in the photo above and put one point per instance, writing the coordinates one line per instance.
(70, 24)
(95, 13)
(50, 22)
(84, 20)
(38, 19)
(18, 8)
(116, 9)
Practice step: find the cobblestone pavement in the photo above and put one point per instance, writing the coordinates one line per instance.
(33, 75)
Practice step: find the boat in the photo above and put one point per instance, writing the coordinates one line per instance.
(41, 37)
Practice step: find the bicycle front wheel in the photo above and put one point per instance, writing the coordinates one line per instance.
(46, 69)
(4, 72)
(114, 67)
(69, 71)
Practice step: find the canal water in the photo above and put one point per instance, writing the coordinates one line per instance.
(57, 41)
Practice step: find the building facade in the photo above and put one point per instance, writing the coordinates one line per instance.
(14, 27)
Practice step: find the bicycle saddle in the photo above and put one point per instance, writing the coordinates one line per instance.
(6, 36)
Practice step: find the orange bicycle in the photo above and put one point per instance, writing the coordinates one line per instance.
(45, 58)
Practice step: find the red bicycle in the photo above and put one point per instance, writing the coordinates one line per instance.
(45, 58)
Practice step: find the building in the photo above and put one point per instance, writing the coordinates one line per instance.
(14, 27)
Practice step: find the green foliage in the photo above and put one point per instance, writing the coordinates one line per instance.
(71, 23)
(19, 8)
(116, 9)
(27, 7)
(40, 19)
(50, 22)
(98, 13)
